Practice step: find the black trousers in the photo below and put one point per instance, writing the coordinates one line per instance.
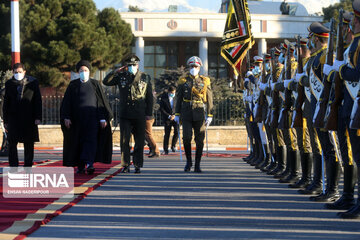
(28, 154)
(137, 127)
(88, 143)
(167, 129)
(199, 133)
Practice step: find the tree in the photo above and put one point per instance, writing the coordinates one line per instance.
(55, 35)
(135, 9)
(333, 10)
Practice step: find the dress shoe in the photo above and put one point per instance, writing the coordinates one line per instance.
(90, 170)
(80, 170)
(197, 170)
(342, 203)
(166, 152)
(352, 213)
(154, 154)
(187, 168)
(125, 169)
(173, 149)
(325, 197)
(137, 170)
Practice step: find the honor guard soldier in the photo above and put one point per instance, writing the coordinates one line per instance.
(348, 91)
(136, 104)
(194, 106)
(318, 40)
(350, 72)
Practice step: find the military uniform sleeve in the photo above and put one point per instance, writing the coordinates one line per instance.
(279, 86)
(304, 81)
(209, 102)
(351, 74)
(111, 79)
(180, 96)
(293, 86)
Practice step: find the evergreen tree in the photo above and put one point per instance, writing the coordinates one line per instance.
(332, 11)
(55, 35)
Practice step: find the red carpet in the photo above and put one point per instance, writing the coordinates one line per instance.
(15, 209)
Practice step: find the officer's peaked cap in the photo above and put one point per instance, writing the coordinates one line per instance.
(132, 59)
(356, 7)
(194, 60)
(258, 59)
(347, 16)
(319, 29)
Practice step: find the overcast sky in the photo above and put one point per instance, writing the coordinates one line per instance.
(312, 6)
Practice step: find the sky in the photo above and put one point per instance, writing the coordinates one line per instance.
(313, 6)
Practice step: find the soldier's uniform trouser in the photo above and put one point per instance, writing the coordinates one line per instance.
(272, 138)
(355, 144)
(249, 130)
(303, 138)
(290, 138)
(137, 127)
(199, 133)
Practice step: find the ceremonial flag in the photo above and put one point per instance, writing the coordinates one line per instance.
(237, 38)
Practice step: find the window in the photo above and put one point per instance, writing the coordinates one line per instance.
(217, 64)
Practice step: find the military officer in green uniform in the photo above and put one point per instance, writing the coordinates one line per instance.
(194, 107)
(136, 104)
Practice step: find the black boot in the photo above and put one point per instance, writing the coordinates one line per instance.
(306, 160)
(267, 160)
(294, 168)
(346, 201)
(251, 152)
(315, 186)
(187, 148)
(286, 171)
(260, 157)
(354, 212)
(280, 159)
(198, 156)
(332, 178)
(273, 163)
(256, 153)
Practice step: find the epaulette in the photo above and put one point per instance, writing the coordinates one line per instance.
(182, 80)
(205, 79)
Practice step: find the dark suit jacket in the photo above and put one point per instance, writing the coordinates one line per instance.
(165, 107)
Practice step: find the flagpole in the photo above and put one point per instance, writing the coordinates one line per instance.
(15, 32)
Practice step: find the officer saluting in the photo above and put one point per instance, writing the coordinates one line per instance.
(194, 101)
(136, 104)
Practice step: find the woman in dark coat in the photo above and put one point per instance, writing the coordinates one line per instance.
(22, 111)
(85, 122)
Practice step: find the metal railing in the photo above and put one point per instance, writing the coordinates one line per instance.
(227, 111)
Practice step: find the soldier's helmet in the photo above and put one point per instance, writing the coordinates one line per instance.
(194, 60)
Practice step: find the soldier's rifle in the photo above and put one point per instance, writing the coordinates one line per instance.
(274, 95)
(322, 104)
(272, 76)
(332, 119)
(298, 116)
(285, 110)
(261, 99)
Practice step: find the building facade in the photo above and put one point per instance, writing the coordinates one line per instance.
(166, 40)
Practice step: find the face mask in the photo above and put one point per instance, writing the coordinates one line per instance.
(194, 71)
(132, 69)
(19, 76)
(256, 70)
(267, 66)
(84, 76)
(172, 95)
(281, 58)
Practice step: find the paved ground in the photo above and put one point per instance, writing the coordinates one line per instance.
(229, 200)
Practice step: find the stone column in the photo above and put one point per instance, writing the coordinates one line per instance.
(203, 54)
(262, 46)
(139, 51)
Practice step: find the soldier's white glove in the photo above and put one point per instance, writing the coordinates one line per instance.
(287, 82)
(337, 64)
(208, 121)
(272, 85)
(327, 69)
(177, 119)
(249, 73)
(262, 86)
(298, 76)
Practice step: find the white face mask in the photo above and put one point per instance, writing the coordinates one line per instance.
(84, 76)
(132, 69)
(194, 71)
(19, 76)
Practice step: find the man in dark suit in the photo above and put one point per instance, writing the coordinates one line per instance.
(22, 112)
(167, 108)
